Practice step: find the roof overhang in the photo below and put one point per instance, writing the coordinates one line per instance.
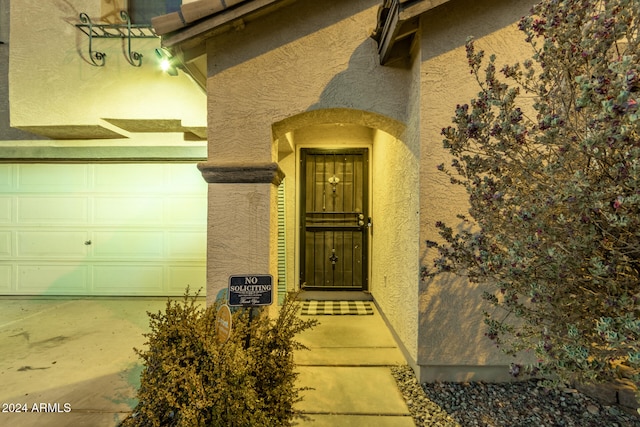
(184, 33)
(202, 19)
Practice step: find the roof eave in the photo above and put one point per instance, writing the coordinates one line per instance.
(195, 32)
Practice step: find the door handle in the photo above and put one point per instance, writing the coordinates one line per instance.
(361, 222)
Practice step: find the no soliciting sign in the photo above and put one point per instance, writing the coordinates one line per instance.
(250, 290)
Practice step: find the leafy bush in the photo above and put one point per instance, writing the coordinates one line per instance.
(191, 379)
(550, 158)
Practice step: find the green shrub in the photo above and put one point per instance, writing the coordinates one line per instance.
(190, 379)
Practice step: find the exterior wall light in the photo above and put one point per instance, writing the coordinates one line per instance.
(166, 61)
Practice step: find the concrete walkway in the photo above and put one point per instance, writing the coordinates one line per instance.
(348, 367)
(70, 363)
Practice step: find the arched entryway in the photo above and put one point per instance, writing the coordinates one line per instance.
(329, 159)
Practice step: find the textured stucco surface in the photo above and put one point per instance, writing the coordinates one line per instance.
(307, 56)
(240, 233)
(394, 257)
(52, 83)
(6, 132)
(451, 322)
(308, 75)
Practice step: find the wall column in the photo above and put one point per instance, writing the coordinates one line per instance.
(242, 226)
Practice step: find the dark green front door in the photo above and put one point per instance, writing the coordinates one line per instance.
(334, 219)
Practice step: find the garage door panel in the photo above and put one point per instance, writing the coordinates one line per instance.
(5, 278)
(53, 210)
(51, 244)
(53, 279)
(38, 177)
(128, 280)
(186, 211)
(5, 209)
(182, 179)
(6, 177)
(128, 211)
(182, 276)
(5, 244)
(187, 245)
(129, 178)
(128, 244)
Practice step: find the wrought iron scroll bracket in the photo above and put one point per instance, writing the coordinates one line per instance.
(126, 30)
(86, 27)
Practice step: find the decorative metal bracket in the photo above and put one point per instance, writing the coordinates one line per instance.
(126, 30)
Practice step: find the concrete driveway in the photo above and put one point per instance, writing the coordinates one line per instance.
(70, 362)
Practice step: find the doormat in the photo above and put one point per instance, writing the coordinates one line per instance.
(336, 308)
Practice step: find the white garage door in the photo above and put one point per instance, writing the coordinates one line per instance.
(102, 229)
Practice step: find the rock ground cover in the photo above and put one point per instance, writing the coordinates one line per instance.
(523, 404)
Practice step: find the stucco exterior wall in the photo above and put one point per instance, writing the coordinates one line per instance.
(394, 258)
(280, 79)
(240, 228)
(304, 57)
(304, 69)
(451, 339)
(53, 85)
(6, 131)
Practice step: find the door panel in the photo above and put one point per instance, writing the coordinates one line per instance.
(334, 217)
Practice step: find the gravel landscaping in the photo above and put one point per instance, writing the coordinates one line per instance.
(523, 404)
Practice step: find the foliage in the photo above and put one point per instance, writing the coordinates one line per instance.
(191, 379)
(549, 155)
